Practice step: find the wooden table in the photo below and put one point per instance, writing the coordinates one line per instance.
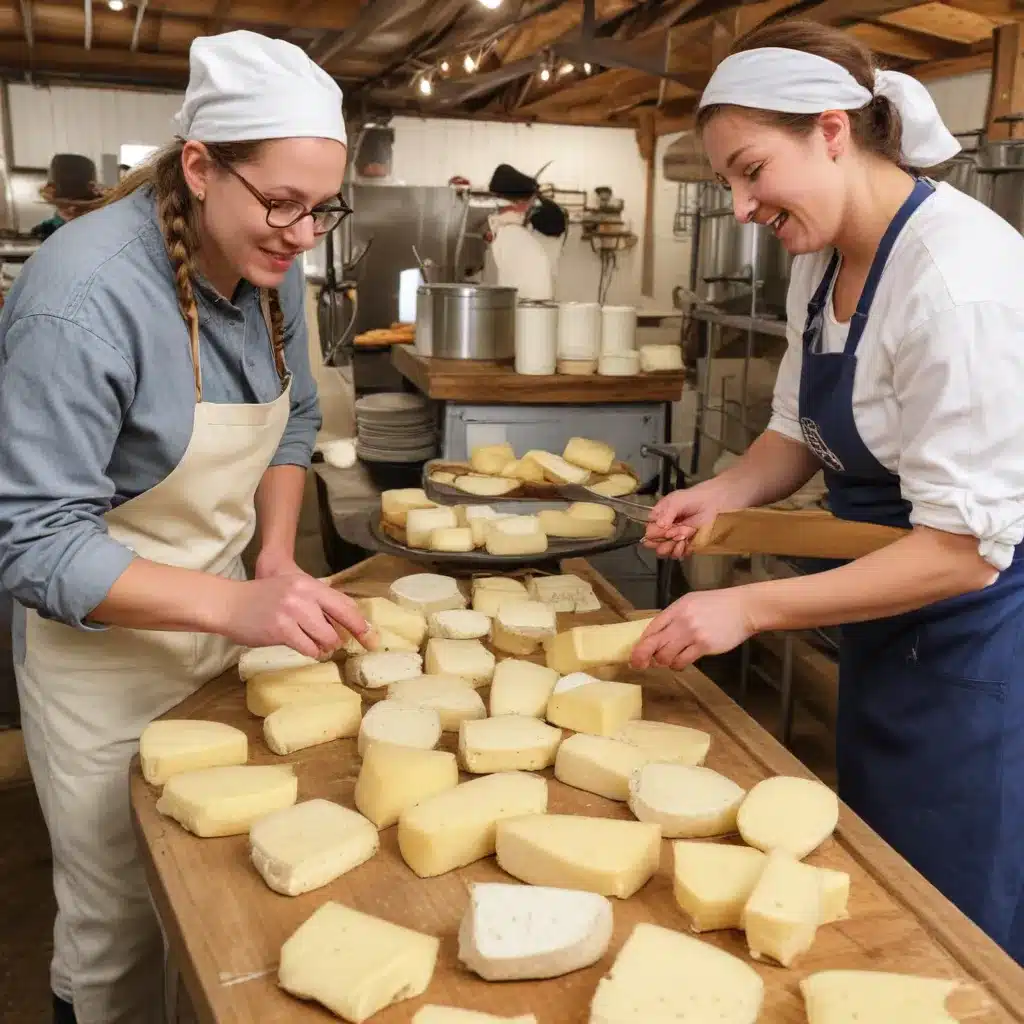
(225, 927)
(487, 383)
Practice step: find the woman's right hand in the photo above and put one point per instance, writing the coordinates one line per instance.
(676, 518)
(297, 611)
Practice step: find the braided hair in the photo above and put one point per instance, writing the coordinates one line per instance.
(178, 216)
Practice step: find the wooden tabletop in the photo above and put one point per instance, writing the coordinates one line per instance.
(226, 928)
(487, 383)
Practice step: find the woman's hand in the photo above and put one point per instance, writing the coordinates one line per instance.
(676, 518)
(700, 623)
(273, 562)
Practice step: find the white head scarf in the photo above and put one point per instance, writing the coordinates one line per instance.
(795, 82)
(243, 86)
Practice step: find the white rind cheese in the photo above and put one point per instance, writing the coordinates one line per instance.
(392, 779)
(567, 593)
(591, 510)
(677, 744)
(515, 535)
(781, 917)
(306, 846)
(459, 624)
(878, 997)
(382, 668)
(391, 722)
(454, 699)
(618, 485)
(599, 764)
(557, 470)
(422, 522)
(485, 486)
(658, 358)
(386, 641)
(454, 538)
(507, 743)
(788, 813)
(427, 592)
(491, 592)
(355, 964)
(170, 746)
(518, 932)
(520, 626)
(586, 647)
(687, 801)
(298, 726)
(265, 694)
(521, 688)
(599, 708)
(257, 660)
(466, 658)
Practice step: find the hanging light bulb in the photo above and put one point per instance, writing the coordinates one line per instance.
(545, 74)
(425, 87)
(116, 5)
(468, 64)
(586, 68)
(491, 5)
(566, 69)
(445, 67)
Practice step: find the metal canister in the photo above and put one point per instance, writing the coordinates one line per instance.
(466, 321)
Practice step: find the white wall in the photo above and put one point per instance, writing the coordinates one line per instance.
(962, 100)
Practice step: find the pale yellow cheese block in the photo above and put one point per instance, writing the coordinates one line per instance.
(392, 779)
(788, 813)
(509, 535)
(355, 964)
(257, 660)
(876, 997)
(386, 614)
(507, 743)
(600, 708)
(565, 593)
(404, 725)
(395, 505)
(455, 828)
(306, 846)
(298, 726)
(226, 801)
(520, 626)
(558, 523)
(618, 485)
(661, 975)
(591, 510)
(423, 522)
(782, 915)
(593, 455)
(427, 592)
(432, 1014)
(452, 539)
(468, 659)
(585, 647)
(835, 895)
(491, 459)
(557, 469)
(521, 688)
(170, 746)
(264, 696)
(602, 855)
(676, 744)
(599, 764)
(452, 697)
(713, 881)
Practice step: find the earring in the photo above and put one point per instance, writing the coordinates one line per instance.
(200, 196)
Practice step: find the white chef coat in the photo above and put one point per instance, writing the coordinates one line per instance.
(519, 258)
(938, 391)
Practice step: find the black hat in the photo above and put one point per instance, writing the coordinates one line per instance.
(72, 178)
(508, 183)
(549, 219)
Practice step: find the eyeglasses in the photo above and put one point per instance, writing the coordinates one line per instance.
(283, 213)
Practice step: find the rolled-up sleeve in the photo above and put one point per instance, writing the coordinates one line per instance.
(63, 392)
(296, 447)
(958, 380)
(785, 418)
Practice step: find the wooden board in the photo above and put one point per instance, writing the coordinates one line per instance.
(479, 381)
(226, 927)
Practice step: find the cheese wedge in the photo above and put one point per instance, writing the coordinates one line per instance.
(491, 459)
(686, 801)
(713, 881)
(557, 470)
(662, 975)
(395, 505)
(459, 624)
(782, 915)
(787, 813)
(618, 485)
(508, 743)
(226, 801)
(599, 708)
(452, 697)
(520, 626)
(466, 658)
(556, 523)
(170, 746)
(391, 722)
(392, 779)
(388, 615)
(427, 592)
(485, 486)
(602, 855)
(591, 510)
(677, 744)
(854, 997)
(456, 828)
(599, 764)
(271, 659)
(586, 647)
(306, 846)
(568, 593)
(422, 522)
(521, 688)
(355, 964)
(298, 726)
(515, 535)
(593, 455)
(518, 932)
(432, 1014)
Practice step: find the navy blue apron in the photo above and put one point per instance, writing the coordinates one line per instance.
(930, 730)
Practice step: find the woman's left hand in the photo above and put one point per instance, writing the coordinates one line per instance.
(699, 623)
(276, 563)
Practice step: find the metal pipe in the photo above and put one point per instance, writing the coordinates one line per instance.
(140, 13)
(88, 24)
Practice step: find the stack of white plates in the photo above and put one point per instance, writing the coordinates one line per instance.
(395, 427)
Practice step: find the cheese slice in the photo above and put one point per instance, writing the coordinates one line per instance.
(452, 697)
(618, 485)
(713, 881)
(385, 614)
(271, 659)
(519, 932)
(382, 668)
(392, 779)
(452, 539)
(355, 964)
(508, 743)
(298, 726)
(456, 828)
(524, 469)
(600, 708)
(662, 976)
(591, 510)
(878, 997)
(557, 523)
(788, 813)
(490, 459)
(170, 746)
(515, 535)
(593, 455)
(599, 764)
(687, 801)
(459, 624)
(520, 626)
(427, 592)
(391, 722)
(431, 1014)
(585, 647)
(521, 688)
(557, 470)
(567, 593)
(466, 658)
(678, 744)
(782, 915)
(226, 801)
(485, 486)
(306, 846)
(602, 855)
(395, 505)
(422, 522)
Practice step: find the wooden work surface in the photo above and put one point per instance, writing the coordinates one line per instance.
(226, 928)
(481, 382)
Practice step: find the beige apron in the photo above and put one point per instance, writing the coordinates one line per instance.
(87, 696)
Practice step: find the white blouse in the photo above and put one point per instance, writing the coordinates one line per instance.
(939, 386)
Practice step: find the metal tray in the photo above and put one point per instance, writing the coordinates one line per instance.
(364, 530)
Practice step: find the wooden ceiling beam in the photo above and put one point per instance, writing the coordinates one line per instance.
(895, 42)
(59, 58)
(942, 21)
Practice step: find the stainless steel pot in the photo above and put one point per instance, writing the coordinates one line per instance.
(466, 321)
